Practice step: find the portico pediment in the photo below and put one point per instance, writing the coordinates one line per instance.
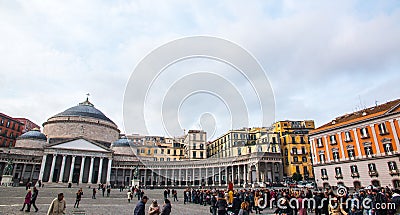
(79, 144)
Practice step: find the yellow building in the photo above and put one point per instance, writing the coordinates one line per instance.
(295, 147)
(158, 148)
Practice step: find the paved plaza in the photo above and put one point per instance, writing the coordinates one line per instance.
(12, 198)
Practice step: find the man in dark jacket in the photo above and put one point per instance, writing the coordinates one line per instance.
(166, 208)
(141, 206)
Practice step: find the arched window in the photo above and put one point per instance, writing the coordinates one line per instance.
(357, 184)
(396, 183)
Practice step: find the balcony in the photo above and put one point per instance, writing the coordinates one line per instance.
(293, 153)
(364, 136)
(339, 176)
(324, 177)
(355, 174)
(373, 173)
(394, 172)
(333, 142)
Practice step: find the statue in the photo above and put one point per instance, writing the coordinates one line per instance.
(9, 168)
(136, 172)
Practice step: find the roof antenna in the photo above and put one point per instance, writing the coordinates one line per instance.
(87, 96)
(376, 103)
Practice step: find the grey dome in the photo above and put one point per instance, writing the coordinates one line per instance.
(85, 109)
(33, 134)
(121, 142)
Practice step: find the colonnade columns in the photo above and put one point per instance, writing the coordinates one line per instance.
(90, 180)
(62, 169)
(82, 168)
(71, 172)
(42, 167)
(109, 171)
(226, 175)
(180, 177)
(213, 175)
(206, 181)
(100, 170)
(53, 163)
(220, 176)
(33, 170)
(244, 174)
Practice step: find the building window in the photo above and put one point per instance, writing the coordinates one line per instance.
(162, 151)
(324, 174)
(354, 171)
(201, 154)
(297, 169)
(333, 139)
(293, 139)
(396, 183)
(338, 172)
(155, 151)
(148, 151)
(239, 151)
(368, 151)
(259, 149)
(161, 159)
(201, 146)
(364, 132)
(392, 166)
(286, 152)
(294, 151)
(322, 157)
(388, 147)
(168, 159)
(336, 155)
(142, 150)
(350, 153)
(194, 154)
(8, 124)
(304, 159)
(372, 169)
(302, 140)
(319, 143)
(305, 171)
(347, 136)
(155, 159)
(303, 150)
(296, 159)
(382, 129)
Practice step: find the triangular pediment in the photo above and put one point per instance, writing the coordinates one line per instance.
(80, 144)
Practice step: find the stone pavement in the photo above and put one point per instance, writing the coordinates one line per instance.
(12, 198)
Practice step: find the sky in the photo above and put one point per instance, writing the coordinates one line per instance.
(322, 58)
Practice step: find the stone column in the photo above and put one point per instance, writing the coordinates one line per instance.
(53, 164)
(42, 166)
(14, 169)
(23, 171)
(71, 171)
(33, 170)
(257, 172)
(238, 174)
(359, 154)
(213, 175)
(100, 170)
(328, 154)
(109, 171)
(378, 150)
(145, 176)
(186, 176)
(90, 180)
(226, 175)
(62, 169)
(179, 177)
(173, 177)
(82, 169)
(341, 146)
(220, 176)
(396, 138)
(206, 181)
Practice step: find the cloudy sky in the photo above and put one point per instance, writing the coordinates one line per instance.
(322, 58)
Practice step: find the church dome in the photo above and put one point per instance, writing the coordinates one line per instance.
(121, 142)
(84, 109)
(33, 134)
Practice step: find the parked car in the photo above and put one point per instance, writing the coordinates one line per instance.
(302, 184)
(310, 185)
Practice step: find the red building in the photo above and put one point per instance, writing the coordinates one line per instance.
(28, 125)
(10, 129)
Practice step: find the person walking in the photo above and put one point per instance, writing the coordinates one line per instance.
(94, 193)
(108, 191)
(154, 208)
(103, 189)
(33, 200)
(27, 200)
(79, 195)
(167, 208)
(57, 206)
(141, 206)
(129, 195)
(221, 205)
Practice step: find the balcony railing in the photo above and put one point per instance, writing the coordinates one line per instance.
(324, 177)
(339, 176)
(355, 174)
(394, 172)
(373, 173)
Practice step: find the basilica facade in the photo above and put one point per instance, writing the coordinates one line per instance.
(82, 145)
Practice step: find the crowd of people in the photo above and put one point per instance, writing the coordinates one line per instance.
(367, 201)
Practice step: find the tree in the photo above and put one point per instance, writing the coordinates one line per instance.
(297, 176)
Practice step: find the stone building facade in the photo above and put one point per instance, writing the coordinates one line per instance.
(81, 145)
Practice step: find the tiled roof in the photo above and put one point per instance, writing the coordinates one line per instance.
(367, 113)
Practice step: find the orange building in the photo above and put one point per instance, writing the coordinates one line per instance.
(359, 149)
